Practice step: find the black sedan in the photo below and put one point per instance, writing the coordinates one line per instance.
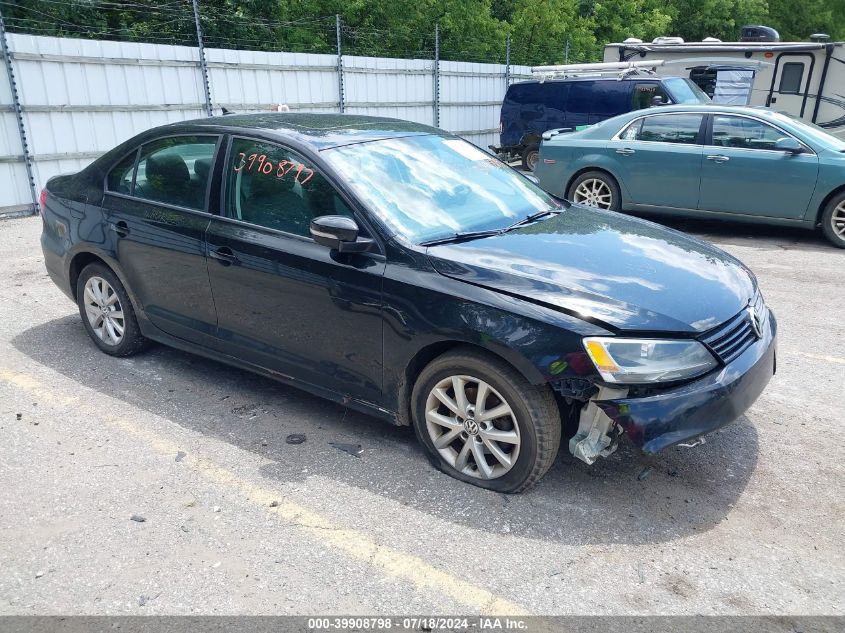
(403, 272)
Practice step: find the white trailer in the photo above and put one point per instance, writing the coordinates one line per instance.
(805, 79)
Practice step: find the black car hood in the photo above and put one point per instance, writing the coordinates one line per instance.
(608, 268)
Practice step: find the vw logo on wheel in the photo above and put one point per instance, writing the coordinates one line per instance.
(471, 426)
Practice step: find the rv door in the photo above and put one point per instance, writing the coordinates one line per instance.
(791, 83)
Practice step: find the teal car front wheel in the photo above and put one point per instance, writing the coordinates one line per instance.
(596, 189)
(833, 220)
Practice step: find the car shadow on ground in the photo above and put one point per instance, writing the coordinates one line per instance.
(621, 499)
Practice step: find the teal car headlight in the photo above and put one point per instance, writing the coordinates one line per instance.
(637, 361)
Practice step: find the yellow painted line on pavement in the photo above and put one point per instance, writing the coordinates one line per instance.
(390, 561)
(828, 359)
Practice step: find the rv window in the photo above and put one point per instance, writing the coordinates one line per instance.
(790, 78)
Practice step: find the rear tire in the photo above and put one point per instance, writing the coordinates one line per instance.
(833, 220)
(596, 189)
(107, 312)
(508, 453)
(530, 157)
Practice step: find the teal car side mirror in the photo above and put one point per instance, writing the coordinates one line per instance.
(789, 145)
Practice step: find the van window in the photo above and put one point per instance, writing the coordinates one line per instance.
(551, 94)
(643, 94)
(610, 98)
(580, 97)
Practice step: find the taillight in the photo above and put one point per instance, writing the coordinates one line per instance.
(501, 126)
(42, 200)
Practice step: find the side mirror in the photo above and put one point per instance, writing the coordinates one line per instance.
(657, 100)
(339, 233)
(532, 178)
(789, 145)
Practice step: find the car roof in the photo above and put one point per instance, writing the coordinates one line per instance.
(704, 107)
(320, 131)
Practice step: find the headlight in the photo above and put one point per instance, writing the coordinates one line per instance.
(632, 361)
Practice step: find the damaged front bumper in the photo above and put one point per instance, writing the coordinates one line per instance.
(684, 413)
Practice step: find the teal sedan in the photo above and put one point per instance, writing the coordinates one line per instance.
(729, 163)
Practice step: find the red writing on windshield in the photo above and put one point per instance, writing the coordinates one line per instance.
(259, 164)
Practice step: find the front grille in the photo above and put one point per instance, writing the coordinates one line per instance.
(733, 337)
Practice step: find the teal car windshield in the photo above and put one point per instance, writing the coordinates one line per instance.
(430, 187)
(685, 91)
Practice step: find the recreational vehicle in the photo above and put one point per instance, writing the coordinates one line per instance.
(804, 79)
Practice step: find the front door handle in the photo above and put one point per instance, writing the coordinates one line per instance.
(224, 255)
(626, 151)
(120, 228)
(718, 158)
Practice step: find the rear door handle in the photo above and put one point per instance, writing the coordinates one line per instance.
(120, 228)
(626, 151)
(719, 158)
(224, 255)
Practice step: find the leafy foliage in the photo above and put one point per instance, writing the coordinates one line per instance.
(541, 31)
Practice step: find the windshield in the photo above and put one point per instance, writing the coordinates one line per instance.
(430, 187)
(685, 91)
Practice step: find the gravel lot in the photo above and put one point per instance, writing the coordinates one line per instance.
(238, 521)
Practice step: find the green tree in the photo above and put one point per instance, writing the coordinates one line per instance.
(696, 19)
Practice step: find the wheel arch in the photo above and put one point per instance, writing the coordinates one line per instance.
(83, 258)
(825, 201)
(427, 354)
(584, 170)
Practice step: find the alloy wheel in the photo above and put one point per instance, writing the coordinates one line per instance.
(594, 192)
(104, 312)
(531, 160)
(837, 220)
(472, 427)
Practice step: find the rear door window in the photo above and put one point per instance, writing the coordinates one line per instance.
(671, 128)
(176, 170)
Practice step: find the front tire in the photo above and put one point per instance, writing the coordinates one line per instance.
(107, 312)
(596, 189)
(481, 422)
(833, 220)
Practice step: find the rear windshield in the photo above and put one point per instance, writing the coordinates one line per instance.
(685, 91)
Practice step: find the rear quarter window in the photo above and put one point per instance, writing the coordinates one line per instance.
(119, 179)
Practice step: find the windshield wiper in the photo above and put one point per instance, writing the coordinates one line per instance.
(472, 235)
(463, 236)
(531, 218)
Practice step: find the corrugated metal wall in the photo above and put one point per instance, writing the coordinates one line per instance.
(80, 97)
